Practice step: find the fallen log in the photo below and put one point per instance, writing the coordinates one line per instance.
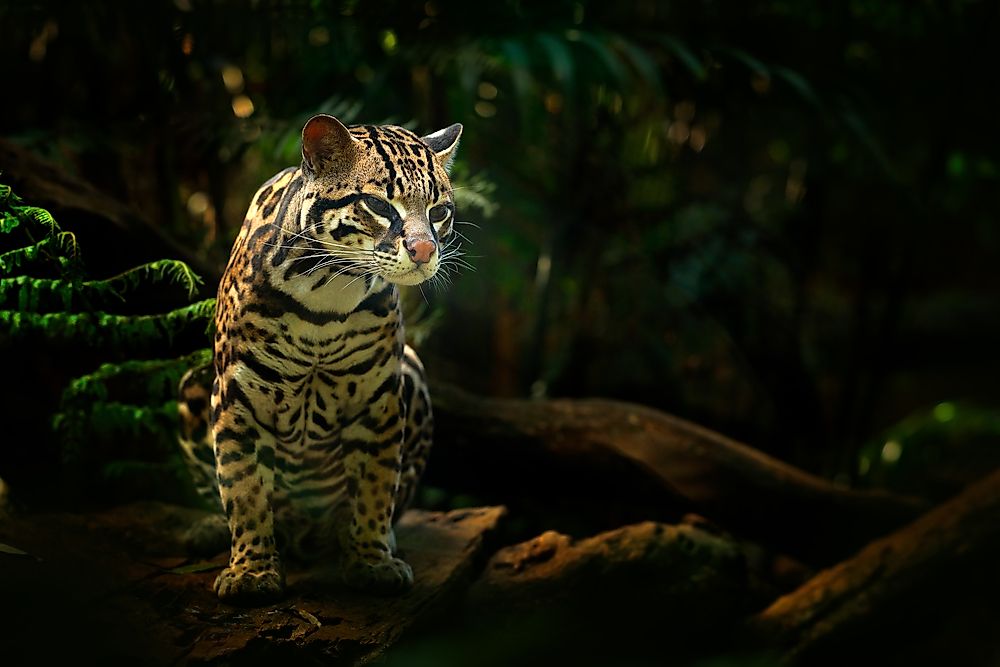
(647, 593)
(667, 561)
(616, 463)
(115, 588)
(933, 578)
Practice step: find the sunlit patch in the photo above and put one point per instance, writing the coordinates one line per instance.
(864, 465)
(891, 451)
(944, 412)
(242, 106)
(232, 78)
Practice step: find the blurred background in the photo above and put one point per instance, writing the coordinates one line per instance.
(776, 218)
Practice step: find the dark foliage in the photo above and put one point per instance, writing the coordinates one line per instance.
(777, 218)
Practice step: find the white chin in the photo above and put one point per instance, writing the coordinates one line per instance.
(413, 277)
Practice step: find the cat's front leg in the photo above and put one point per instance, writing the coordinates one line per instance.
(244, 456)
(372, 445)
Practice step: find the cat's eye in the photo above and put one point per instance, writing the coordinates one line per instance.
(379, 206)
(440, 213)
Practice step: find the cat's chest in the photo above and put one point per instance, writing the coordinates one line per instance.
(328, 374)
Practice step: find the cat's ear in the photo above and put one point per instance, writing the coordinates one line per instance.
(327, 145)
(444, 143)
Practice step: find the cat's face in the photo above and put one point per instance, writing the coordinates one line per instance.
(377, 197)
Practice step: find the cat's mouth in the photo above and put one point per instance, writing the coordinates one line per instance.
(413, 276)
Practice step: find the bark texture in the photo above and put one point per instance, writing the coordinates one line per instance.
(633, 463)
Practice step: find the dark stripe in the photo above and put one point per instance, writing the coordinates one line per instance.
(344, 229)
(264, 372)
(320, 420)
(364, 346)
(379, 303)
(385, 156)
(264, 195)
(291, 190)
(233, 393)
(327, 490)
(363, 367)
(324, 204)
(239, 476)
(274, 303)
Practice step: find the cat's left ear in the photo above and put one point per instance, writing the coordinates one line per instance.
(444, 143)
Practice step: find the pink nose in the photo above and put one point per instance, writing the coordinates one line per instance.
(420, 250)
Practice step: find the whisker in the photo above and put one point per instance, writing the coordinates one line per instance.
(458, 235)
(370, 272)
(346, 267)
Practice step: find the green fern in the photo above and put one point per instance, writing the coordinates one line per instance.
(41, 294)
(122, 413)
(152, 381)
(105, 330)
(14, 214)
(60, 248)
(162, 271)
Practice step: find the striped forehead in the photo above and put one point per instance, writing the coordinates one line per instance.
(408, 168)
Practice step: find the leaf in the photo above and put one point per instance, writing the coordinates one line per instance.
(14, 551)
(201, 566)
(560, 58)
(643, 64)
(520, 68)
(306, 616)
(164, 270)
(47, 249)
(854, 121)
(470, 69)
(8, 223)
(604, 54)
(685, 55)
(104, 329)
(752, 63)
(799, 83)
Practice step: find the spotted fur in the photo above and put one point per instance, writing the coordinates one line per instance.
(318, 421)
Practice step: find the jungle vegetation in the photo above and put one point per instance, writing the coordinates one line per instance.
(775, 218)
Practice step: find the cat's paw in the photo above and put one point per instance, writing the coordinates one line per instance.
(248, 587)
(388, 575)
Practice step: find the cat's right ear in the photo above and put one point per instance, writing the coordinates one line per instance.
(327, 146)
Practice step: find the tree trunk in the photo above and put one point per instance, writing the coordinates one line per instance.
(627, 463)
(939, 571)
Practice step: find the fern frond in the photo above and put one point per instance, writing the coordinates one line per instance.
(150, 381)
(13, 214)
(104, 330)
(162, 271)
(60, 248)
(41, 294)
(32, 295)
(117, 427)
